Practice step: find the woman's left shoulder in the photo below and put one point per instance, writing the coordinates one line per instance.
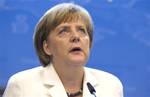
(103, 76)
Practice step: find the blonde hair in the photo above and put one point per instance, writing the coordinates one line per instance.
(65, 12)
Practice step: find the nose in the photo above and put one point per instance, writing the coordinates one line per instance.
(75, 38)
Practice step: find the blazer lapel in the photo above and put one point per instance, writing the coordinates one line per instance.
(52, 82)
(57, 91)
(55, 87)
(92, 80)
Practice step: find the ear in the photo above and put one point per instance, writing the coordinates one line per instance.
(46, 48)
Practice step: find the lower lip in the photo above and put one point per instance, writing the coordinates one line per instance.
(76, 52)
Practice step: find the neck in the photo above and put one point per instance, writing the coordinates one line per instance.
(71, 76)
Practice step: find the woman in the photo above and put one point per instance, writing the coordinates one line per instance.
(62, 39)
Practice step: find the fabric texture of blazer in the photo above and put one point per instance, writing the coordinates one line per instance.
(44, 82)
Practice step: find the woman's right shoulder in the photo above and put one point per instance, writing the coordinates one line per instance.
(26, 74)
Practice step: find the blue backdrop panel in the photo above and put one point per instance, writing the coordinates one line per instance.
(121, 39)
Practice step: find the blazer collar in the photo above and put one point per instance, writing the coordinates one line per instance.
(53, 83)
(50, 76)
(55, 87)
(89, 77)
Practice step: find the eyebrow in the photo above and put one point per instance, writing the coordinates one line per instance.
(80, 26)
(68, 26)
(64, 26)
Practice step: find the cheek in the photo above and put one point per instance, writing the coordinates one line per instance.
(87, 42)
(58, 46)
(53, 46)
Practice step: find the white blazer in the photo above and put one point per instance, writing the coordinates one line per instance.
(44, 82)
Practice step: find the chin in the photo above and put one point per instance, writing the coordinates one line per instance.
(78, 62)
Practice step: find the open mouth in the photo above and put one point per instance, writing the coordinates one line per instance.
(75, 49)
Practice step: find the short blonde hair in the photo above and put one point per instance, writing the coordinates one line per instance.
(65, 12)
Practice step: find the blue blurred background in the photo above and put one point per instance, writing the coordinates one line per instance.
(121, 39)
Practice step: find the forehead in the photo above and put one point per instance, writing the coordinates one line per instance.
(69, 24)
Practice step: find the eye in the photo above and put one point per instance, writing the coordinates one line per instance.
(63, 30)
(82, 30)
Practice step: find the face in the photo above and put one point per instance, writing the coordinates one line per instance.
(68, 43)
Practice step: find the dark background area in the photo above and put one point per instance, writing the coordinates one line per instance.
(121, 39)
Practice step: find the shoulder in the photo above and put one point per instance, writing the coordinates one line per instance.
(104, 77)
(21, 81)
(101, 73)
(107, 83)
(26, 75)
